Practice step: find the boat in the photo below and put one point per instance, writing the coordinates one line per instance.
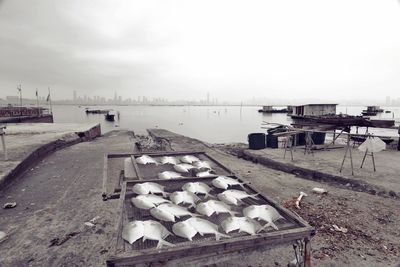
(97, 111)
(109, 116)
(343, 120)
(371, 111)
(270, 109)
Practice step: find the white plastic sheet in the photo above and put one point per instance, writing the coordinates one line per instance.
(372, 144)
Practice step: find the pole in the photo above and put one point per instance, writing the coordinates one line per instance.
(20, 99)
(3, 141)
(37, 102)
(51, 108)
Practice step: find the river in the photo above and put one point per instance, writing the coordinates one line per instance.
(213, 124)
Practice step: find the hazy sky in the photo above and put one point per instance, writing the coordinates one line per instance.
(183, 49)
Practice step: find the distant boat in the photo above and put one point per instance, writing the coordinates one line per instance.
(96, 111)
(371, 111)
(270, 109)
(109, 116)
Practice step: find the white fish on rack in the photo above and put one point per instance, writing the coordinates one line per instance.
(202, 165)
(197, 188)
(210, 207)
(223, 182)
(189, 159)
(205, 174)
(243, 224)
(234, 197)
(266, 213)
(149, 188)
(156, 231)
(148, 230)
(169, 160)
(133, 231)
(169, 175)
(206, 227)
(148, 201)
(145, 159)
(183, 167)
(184, 229)
(184, 197)
(168, 212)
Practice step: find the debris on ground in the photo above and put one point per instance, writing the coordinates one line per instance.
(318, 190)
(339, 229)
(59, 241)
(10, 205)
(3, 236)
(302, 194)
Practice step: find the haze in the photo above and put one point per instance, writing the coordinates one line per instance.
(346, 49)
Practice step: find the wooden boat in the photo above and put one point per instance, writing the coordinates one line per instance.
(343, 120)
(371, 111)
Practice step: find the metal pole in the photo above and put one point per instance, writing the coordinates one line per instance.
(37, 101)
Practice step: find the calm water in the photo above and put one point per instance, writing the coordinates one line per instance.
(214, 124)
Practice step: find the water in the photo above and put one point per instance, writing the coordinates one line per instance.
(213, 124)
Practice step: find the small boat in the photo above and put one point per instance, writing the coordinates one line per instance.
(387, 111)
(371, 111)
(270, 109)
(96, 111)
(109, 116)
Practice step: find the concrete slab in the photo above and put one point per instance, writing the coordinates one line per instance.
(28, 142)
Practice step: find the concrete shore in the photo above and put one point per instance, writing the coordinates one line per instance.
(62, 192)
(27, 143)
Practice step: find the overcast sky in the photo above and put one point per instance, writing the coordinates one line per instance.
(183, 49)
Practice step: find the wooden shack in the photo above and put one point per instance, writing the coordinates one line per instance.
(314, 110)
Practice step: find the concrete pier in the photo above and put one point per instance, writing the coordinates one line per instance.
(27, 143)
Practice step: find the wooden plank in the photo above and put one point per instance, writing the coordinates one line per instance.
(135, 166)
(225, 246)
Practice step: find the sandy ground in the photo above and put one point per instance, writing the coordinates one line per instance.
(63, 192)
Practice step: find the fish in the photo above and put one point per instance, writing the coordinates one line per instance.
(149, 188)
(176, 210)
(214, 206)
(156, 231)
(133, 231)
(234, 197)
(184, 197)
(202, 165)
(169, 175)
(197, 188)
(148, 201)
(266, 213)
(184, 229)
(205, 174)
(162, 215)
(224, 182)
(243, 224)
(183, 167)
(203, 226)
(148, 230)
(145, 159)
(189, 159)
(169, 160)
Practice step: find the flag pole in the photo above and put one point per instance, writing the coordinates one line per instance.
(49, 99)
(37, 101)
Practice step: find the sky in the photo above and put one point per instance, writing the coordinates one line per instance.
(235, 50)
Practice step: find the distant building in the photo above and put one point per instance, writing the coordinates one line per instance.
(314, 109)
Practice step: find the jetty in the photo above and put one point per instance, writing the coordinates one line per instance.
(17, 114)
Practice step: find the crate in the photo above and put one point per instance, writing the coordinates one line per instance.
(202, 247)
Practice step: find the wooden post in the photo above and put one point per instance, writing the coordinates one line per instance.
(373, 160)
(362, 162)
(348, 149)
(307, 252)
(3, 142)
